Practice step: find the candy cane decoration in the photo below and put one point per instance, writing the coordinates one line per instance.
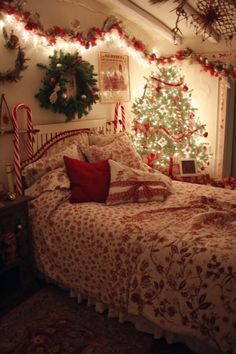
(123, 124)
(17, 163)
(116, 120)
(116, 117)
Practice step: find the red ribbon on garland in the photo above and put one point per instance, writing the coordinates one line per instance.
(167, 83)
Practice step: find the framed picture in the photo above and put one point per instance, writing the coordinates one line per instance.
(114, 77)
(188, 167)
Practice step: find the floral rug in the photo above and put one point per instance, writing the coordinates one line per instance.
(52, 322)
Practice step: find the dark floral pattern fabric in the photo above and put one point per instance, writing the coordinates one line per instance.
(172, 262)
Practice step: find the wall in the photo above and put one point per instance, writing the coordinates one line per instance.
(90, 14)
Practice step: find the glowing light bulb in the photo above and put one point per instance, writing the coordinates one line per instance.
(35, 40)
(44, 41)
(25, 36)
(9, 18)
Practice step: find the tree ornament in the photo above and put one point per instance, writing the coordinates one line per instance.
(53, 80)
(162, 142)
(53, 97)
(69, 85)
(185, 88)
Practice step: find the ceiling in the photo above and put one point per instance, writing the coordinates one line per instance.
(160, 19)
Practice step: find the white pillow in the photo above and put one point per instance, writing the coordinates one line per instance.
(55, 179)
(101, 139)
(121, 149)
(36, 169)
(131, 185)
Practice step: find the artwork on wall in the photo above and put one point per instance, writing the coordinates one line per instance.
(114, 77)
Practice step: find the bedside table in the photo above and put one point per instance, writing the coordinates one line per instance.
(16, 266)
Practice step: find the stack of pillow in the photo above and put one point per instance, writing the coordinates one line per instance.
(105, 169)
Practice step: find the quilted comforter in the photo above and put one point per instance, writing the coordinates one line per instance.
(172, 262)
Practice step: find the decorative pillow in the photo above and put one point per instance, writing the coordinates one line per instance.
(130, 185)
(81, 140)
(120, 150)
(36, 169)
(55, 179)
(89, 181)
(101, 139)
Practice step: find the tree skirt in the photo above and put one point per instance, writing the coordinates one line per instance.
(52, 322)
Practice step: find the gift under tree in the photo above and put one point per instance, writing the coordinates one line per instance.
(166, 128)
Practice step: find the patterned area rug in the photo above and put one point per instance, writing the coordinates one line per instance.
(52, 322)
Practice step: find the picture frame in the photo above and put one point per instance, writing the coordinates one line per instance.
(188, 167)
(114, 82)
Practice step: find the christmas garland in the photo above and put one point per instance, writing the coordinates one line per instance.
(217, 69)
(73, 35)
(14, 74)
(55, 93)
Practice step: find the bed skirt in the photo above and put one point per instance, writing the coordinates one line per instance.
(141, 324)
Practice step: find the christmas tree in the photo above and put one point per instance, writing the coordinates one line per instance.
(166, 128)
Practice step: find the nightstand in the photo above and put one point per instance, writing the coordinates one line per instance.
(16, 266)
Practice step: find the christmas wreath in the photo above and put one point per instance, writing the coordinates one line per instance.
(69, 85)
(12, 42)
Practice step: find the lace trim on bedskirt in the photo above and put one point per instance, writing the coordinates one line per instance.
(140, 323)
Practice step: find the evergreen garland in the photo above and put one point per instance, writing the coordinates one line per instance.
(13, 75)
(53, 93)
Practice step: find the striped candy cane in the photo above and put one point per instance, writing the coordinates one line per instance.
(17, 163)
(116, 120)
(123, 124)
(116, 117)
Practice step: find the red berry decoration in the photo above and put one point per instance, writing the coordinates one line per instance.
(185, 88)
(53, 80)
(205, 134)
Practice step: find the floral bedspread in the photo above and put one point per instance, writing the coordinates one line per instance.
(172, 262)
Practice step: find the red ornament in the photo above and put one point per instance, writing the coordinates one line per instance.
(30, 26)
(205, 134)
(53, 80)
(152, 57)
(185, 88)
(158, 89)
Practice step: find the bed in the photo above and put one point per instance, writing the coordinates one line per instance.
(168, 264)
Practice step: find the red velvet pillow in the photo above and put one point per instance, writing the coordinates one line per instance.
(89, 181)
